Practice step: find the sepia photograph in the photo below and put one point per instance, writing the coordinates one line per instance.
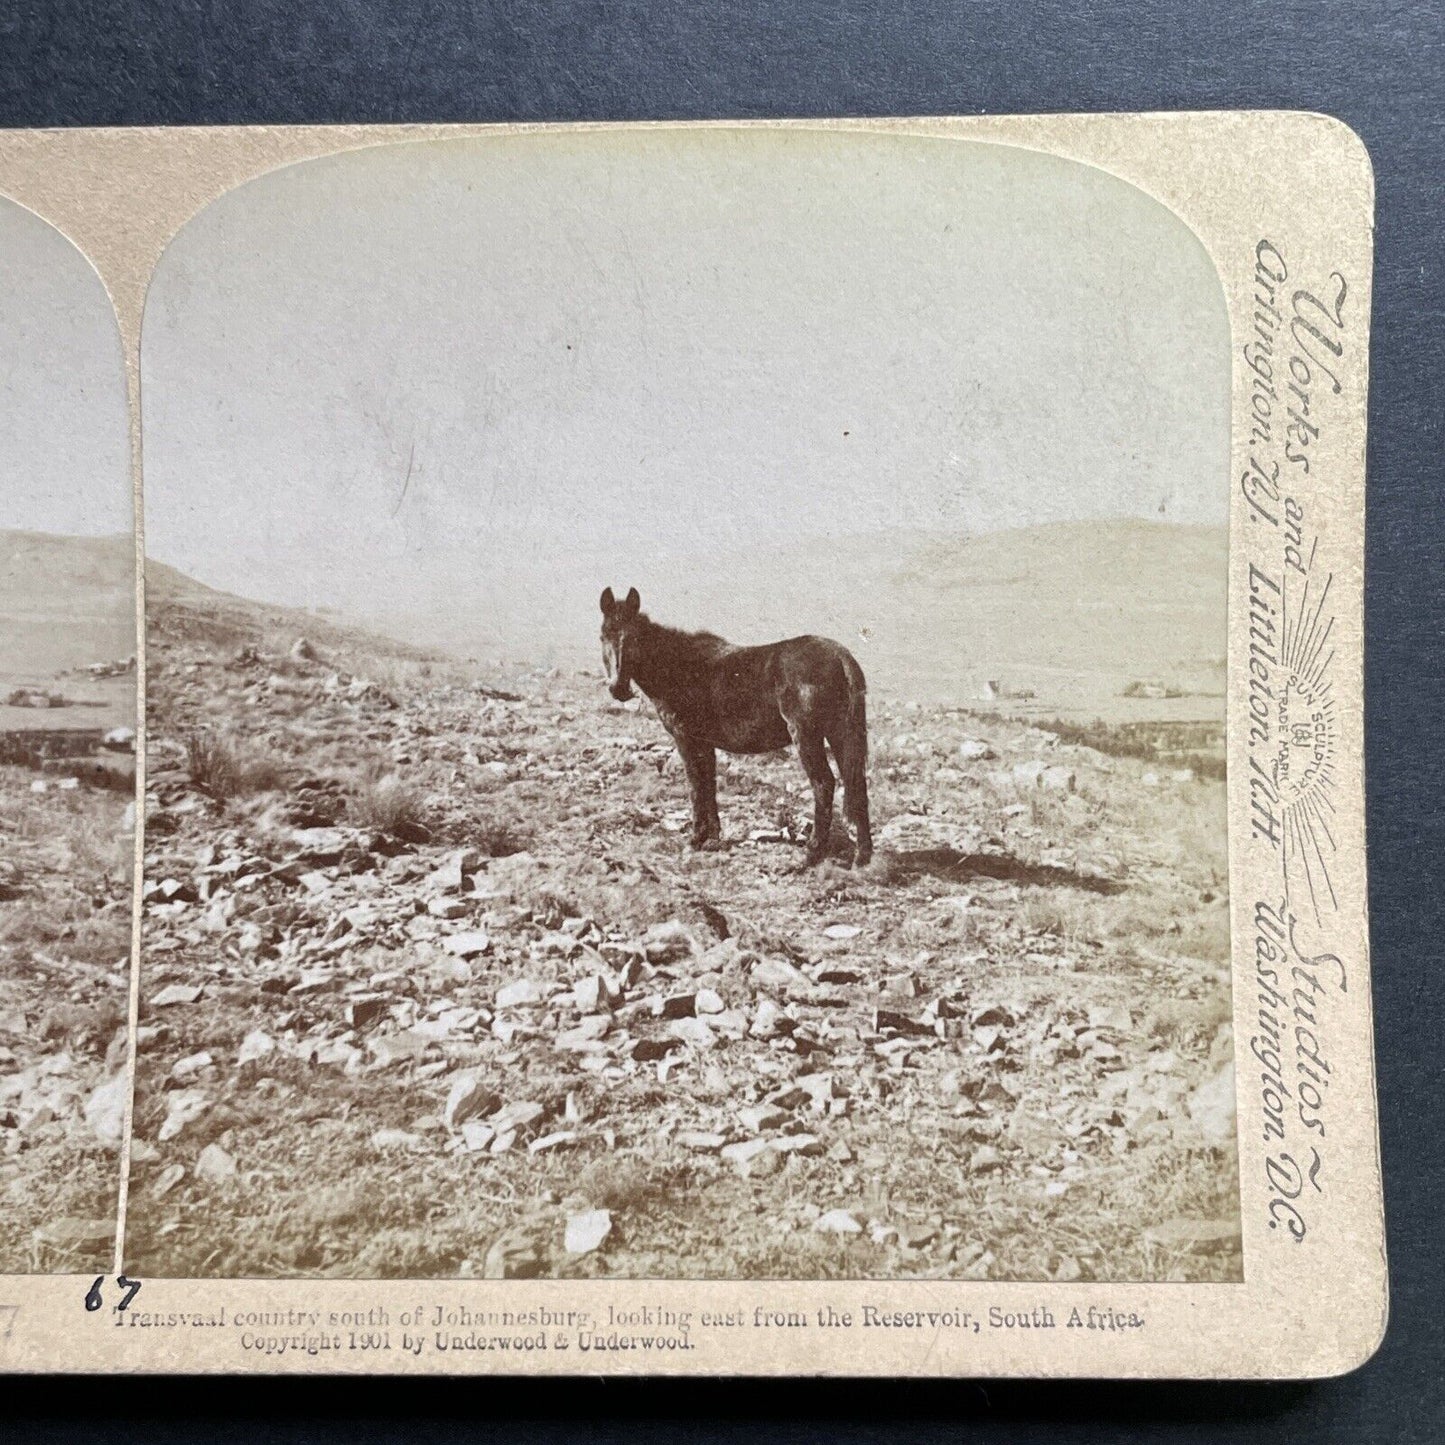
(685, 725)
(67, 753)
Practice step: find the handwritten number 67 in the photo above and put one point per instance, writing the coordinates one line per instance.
(93, 1299)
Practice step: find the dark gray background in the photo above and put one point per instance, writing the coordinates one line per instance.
(1376, 64)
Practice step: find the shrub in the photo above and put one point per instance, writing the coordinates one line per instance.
(226, 768)
(386, 803)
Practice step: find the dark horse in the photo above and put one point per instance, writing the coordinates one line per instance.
(712, 695)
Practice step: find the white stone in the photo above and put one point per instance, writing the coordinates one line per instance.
(586, 1232)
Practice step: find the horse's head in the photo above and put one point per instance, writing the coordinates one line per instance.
(618, 621)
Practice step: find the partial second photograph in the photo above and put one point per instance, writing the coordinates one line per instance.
(685, 720)
(68, 643)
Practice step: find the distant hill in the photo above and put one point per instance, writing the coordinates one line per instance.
(1072, 612)
(64, 602)
(180, 608)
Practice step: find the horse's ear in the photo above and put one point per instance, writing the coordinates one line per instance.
(633, 604)
(609, 602)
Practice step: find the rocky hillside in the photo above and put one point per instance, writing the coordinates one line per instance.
(432, 987)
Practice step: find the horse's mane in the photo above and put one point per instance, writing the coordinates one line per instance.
(671, 648)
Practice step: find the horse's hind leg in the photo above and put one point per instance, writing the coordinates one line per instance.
(851, 751)
(814, 757)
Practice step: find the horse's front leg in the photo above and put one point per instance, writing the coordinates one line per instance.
(700, 760)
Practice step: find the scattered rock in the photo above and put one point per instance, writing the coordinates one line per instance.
(177, 993)
(167, 1179)
(807, 1144)
(778, 975)
(513, 1117)
(215, 1165)
(516, 1253)
(552, 1141)
(837, 1221)
(891, 1021)
(705, 1001)
(468, 1098)
(518, 994)
(390, 1049)
(820, 1089)
(183, 1106)
(758, 1118)
(477, 1136)
(590, 994)
(1211, 1106)
(1114, 1017)
(366, 1010)
(105, 1110)
(992, 1015)
(745, 1152)
(989, 1039)
(868, 1009)
(386, 1141)
(142, 1151)
(467, 945)
(679, 1006)
(983, 1159)
(452, 876)
(695, 1032)
(769, 1021)
(699, 1141)
(1067, 1269)
(647, 1051)
(258, 1044)
(1195, 1236)
(668, 942)
(586, 1232)
(61, 1240)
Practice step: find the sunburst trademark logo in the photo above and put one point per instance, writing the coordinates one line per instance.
(1307, 733)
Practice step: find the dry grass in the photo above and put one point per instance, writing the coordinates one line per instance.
(227, 767)
(388, 803)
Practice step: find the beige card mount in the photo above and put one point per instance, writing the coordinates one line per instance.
(721, 748)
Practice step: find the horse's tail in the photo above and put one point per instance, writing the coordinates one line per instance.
(852, 758)
(857, 715)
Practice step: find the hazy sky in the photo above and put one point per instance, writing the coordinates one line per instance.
(414, 378)
(64, 443)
